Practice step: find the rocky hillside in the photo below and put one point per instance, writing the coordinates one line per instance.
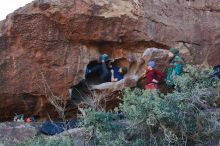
(46, 45)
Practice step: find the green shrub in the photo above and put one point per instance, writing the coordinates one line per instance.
(106, 129)
(152, 118)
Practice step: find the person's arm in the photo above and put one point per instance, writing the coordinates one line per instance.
(155, 81)
(114, 69)
(144, 74)
(160, 75)
(112, 75)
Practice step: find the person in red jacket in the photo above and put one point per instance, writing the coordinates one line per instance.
(153, 76)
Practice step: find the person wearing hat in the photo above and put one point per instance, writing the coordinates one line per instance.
(117, 73)
(175, 68)
(153, 76)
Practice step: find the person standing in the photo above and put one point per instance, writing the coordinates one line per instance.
(153, 76)
(175, 67)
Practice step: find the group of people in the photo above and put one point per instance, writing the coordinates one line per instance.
(175, 68)
(106, 71)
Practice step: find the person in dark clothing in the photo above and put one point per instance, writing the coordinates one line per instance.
(153, 76)
(99, 71)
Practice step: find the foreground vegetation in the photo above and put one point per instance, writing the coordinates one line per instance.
(152, 118)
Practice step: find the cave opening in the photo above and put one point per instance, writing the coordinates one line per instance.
(94, 70)
(82, 92)
(124, 54)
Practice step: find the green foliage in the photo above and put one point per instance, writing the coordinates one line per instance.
(196, 85)
(42, 141)
(100, 120)
(152, 118)
(106, 130)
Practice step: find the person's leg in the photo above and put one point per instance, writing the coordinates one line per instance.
(150, 87)
(106, 73)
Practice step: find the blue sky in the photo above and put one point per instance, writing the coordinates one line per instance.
(8, 6)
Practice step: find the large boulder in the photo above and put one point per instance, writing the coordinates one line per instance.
(20, 133)
(45, 46)
(17, 132)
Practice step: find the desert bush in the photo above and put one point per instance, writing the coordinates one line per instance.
(106, 130)
(152, 118)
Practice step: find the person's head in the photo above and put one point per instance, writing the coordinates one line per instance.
(122, 70)
(173, 52)
(151, 64)
(103, 58)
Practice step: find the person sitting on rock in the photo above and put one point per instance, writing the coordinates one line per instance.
(153, 76)
(175, 67)
(117, 73)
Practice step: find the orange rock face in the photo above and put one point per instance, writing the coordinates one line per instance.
(50, 42)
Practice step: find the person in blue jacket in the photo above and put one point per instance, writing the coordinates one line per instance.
(117, 73)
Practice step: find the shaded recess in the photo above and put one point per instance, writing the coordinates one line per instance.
(95, 76)
(82, 93)
(31, 104)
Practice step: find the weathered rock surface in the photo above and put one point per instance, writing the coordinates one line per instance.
(14, 133)
(45, 46)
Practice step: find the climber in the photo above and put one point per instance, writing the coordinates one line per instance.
(153, 76)
(117, 73)
(99, 69)
(175, 67)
